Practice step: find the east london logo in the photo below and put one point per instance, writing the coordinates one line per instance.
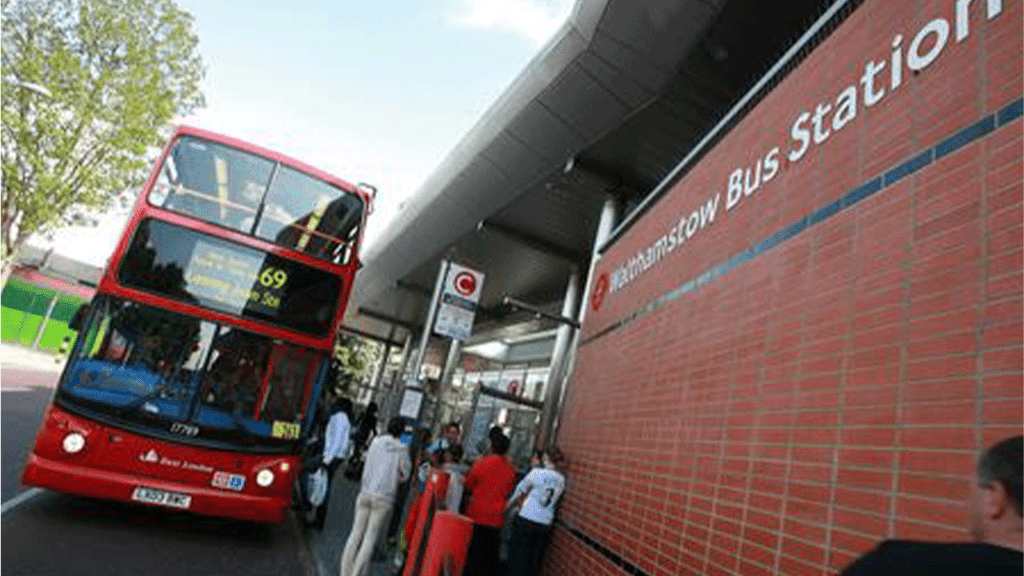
(153, 457)
(808, 130)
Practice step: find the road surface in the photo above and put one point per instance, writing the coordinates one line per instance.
(25, 396)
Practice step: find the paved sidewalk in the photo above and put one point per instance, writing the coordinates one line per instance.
(17, 356)
(326, 545)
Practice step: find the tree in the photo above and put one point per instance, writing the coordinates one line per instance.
(90, 89)
(354, 361)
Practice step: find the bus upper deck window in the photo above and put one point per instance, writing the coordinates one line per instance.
(213, 182)
(308, 214)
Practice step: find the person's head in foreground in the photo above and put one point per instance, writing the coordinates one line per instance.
(996, 524)
(995, 504)
(553, 458)
(499, 445)
(536, 458)
(395, 427)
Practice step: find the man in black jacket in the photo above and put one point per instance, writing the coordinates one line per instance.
(996, 526)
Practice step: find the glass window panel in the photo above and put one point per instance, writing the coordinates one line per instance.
(310, 215)
(213, 182)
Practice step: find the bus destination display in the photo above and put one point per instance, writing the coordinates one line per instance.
(200, 269)
(218, 273)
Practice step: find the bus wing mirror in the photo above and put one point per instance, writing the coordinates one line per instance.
(79, 317)
(371, 190)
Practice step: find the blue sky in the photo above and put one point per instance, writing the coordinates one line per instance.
(373, 92)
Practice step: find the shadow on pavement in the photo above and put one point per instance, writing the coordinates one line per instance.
(326, 545)
(165, 524)
(60, 534)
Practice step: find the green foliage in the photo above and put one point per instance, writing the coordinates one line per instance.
(118, 72)
(354, 360)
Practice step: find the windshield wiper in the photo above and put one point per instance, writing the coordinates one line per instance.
(238, 425)
(165, 384)
(161, 387)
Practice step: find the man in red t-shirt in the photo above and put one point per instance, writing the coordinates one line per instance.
(490, 482)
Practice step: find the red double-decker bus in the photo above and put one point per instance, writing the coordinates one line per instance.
(196, 372)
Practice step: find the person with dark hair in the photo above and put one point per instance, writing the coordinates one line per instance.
(366, 426)
(489, 483)
(336, 448)
(435, 450)
(449, 436)
(996, 526)
(536, 498)
(483, 445)
(387, 464)
(422, 457)
(452, 464)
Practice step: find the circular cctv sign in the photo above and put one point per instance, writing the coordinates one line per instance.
(600, 290)
(465, 284)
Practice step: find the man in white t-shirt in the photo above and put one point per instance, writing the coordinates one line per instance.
(336, 448)
(387, 464)
(537, 497)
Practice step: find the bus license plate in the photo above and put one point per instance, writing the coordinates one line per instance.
(162, 498)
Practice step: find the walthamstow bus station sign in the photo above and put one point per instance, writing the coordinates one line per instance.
(886, 70)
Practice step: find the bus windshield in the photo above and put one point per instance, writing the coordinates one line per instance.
(152, 369)
(254, 195)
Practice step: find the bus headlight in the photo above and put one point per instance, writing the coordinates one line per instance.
(73, 443)
(264, 478)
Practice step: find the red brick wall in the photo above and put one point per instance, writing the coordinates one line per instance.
(837, 389)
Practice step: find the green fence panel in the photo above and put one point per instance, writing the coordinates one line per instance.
(10, 323)
(54, 334)
(29, 329)
(66, 308)
(16, 294)
(41, 304)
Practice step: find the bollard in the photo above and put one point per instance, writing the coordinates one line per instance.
(421, 517)
(62, 350)
(447, 545)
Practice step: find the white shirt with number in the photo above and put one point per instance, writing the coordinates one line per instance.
(544, 487)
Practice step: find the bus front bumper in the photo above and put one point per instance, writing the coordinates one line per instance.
(107, 485)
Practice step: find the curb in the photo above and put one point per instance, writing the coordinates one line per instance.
(307, 557)
(20, 499)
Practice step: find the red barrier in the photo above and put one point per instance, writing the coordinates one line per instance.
(421, 517)
(448, 545)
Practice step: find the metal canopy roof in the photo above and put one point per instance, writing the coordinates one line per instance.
(624, 90)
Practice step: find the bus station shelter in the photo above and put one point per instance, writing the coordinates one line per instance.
(755, 266)
(605, 114)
